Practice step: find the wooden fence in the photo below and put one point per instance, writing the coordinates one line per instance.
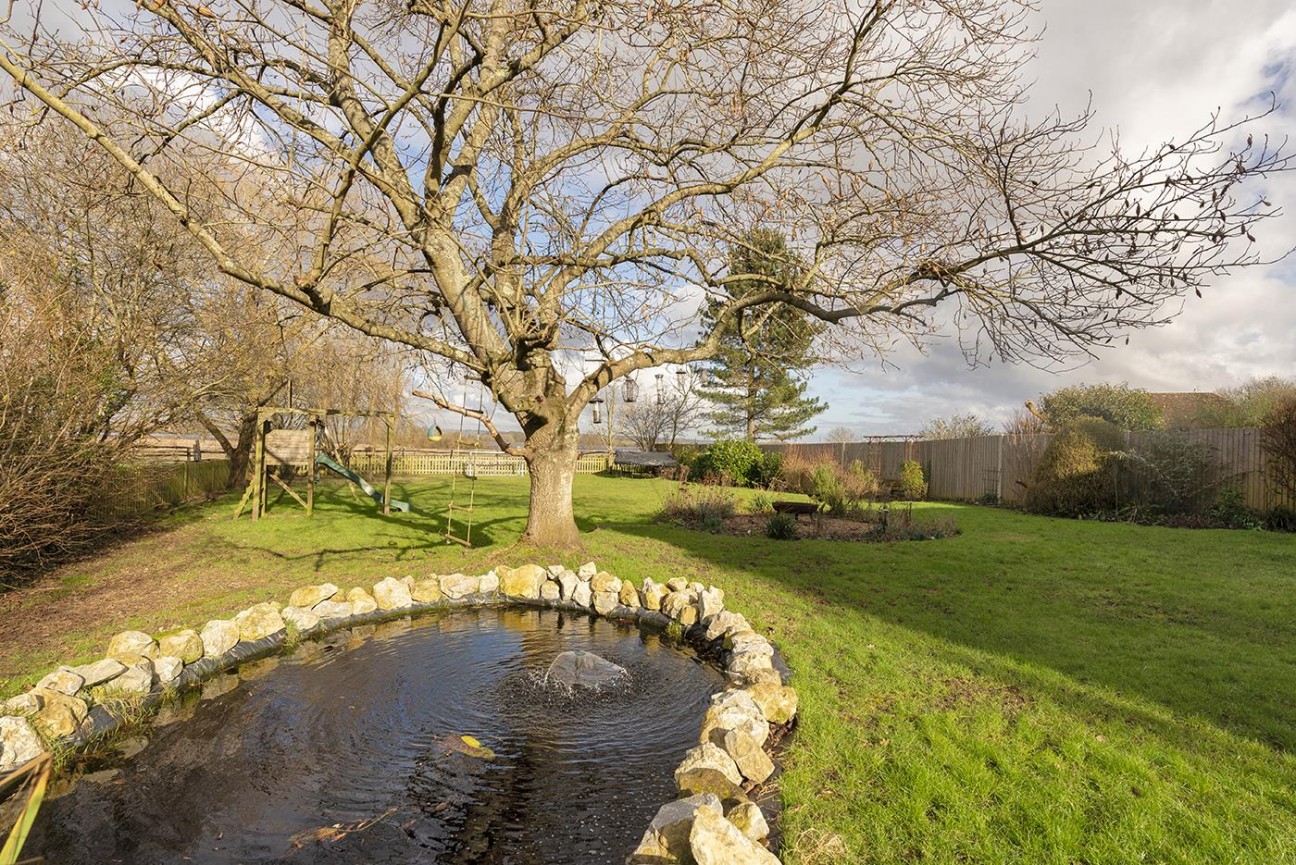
(482, 463)
(139, 489)
(1001, 466)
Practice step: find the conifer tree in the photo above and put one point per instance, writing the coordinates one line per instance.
(758, 386)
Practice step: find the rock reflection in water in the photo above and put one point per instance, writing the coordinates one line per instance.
(353, 751)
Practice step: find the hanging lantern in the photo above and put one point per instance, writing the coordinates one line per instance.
(630, 393)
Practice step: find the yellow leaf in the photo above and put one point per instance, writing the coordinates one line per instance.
(470, 741)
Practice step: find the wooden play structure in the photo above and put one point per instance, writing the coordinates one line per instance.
(278, 450)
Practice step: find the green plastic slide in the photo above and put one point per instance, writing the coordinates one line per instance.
(335, 466)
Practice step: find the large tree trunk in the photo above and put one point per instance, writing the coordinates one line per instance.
(552, 464)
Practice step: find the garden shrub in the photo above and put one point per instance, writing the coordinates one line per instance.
(781, 527)
(735, 461)
(700, 507)
(1168, 473)
(1278, 438)
(842, 492)
(1230, 511)
(761, 503)
(912, 485)
(1076, 474)
(1280, 519)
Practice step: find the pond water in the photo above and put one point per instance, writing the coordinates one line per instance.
(350, 750)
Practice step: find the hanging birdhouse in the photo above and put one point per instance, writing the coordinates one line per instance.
(630, 393)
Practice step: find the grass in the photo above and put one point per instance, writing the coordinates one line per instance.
(1031, 691)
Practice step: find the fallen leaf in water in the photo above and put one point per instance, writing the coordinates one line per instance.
(337, 831)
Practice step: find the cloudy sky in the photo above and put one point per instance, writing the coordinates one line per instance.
(1156, 70)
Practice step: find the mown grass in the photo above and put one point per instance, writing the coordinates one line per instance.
(1031, 691)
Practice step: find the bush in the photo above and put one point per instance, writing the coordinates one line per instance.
(781, 527)
(1168, 473)
(1281, 519)
(1121, 405)
(1230, 511)
(1278, 438)
(761, 503)
(735, 461)
(842, 493)
(1076, 475)
(912, 486)
(700, 507)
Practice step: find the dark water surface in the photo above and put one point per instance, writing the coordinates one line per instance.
(349, 751)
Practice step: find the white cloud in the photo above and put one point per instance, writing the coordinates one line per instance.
(1156, 70)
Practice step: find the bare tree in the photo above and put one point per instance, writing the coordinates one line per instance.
(958, 426)
(841, 435)
(527, 181)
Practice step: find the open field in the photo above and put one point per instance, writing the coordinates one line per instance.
(1031, 691)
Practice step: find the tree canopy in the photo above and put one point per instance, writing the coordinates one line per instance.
(502, 184)
(1119, 404)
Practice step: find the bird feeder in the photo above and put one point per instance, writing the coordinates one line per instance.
(661, 397)
(434, 433)
(597, 402)
(630, 393)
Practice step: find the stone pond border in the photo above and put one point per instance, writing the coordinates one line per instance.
(712, 821)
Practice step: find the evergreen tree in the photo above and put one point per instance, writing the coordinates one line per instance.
(758, 385)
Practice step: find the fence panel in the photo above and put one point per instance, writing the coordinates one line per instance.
(139, 489)
(1003, 465)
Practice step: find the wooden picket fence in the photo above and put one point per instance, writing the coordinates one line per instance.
(482, 463)
(1001, 466)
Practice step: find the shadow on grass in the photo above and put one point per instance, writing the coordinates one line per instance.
(1132, 612)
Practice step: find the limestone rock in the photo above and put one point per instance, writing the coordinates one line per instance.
(22, 705)
(677, 584)
(567, 582)
(605, 582)
(765, 677)
(300, 618)
(749, 819)
(707, 780)
(392, 594)
(167, 669)
(653, 594)
(737, 698)
(523, 582)
(748, 755)
(777, 703)
(259, 621)
(587, 571)
(751, 644)
(710, 603)
(708, 756)
(309, 596)
(667, 836)
(719, 720)
(185, 645)
(456, 586)
(333, 609)
(605, 602)
(676, 602)
(582, 594)
(63, 681)
(427, 591)
(218, 637)
(747, 664)
(99, 672)
(629, 596)
(408, 582)
(489, 583)
(129, 646)
(549, 591)
(723, 623)
(19, 742)
(361, 601)
(713, 840)
(60, 715)
(136, 681)
(555, 571)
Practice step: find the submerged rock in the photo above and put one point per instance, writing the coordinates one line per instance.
(583, 670)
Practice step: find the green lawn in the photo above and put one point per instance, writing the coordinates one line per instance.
(1032, 691)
